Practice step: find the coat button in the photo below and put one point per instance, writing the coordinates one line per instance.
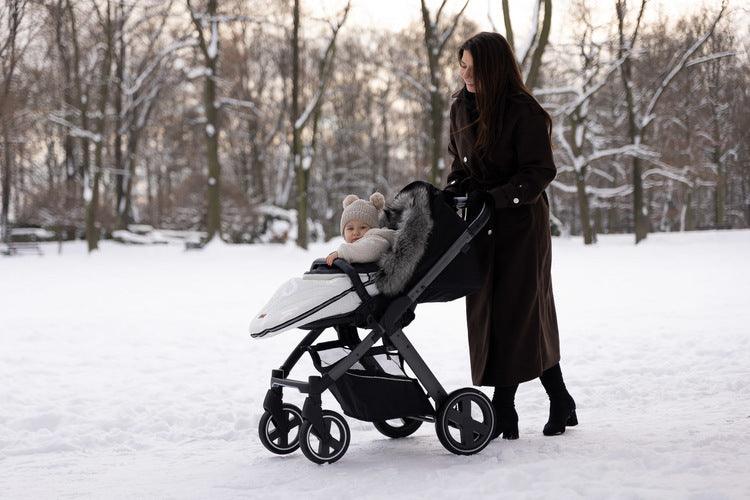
(489, 233)
(516, 200)
(465, 159)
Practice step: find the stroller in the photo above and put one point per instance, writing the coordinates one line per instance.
(432, 260)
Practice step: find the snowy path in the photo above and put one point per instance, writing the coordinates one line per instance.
(130, 374)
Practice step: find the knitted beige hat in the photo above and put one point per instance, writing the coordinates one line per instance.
(366, 211)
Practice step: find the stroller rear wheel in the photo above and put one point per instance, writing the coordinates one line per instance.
(331, 445)
(398, 427)
(281, 437)
(465, 421)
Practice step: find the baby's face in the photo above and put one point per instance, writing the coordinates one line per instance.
(354, 230)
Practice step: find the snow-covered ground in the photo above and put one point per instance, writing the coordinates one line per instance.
(129, 374)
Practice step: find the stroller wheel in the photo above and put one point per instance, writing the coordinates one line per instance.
(329, 447)
(281, 437)
(398, 427)
(465, 421)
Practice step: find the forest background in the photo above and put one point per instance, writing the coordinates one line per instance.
(251, 120)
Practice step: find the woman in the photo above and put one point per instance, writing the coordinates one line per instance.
(500, 144)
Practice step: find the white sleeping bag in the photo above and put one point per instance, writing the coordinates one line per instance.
(300, 301)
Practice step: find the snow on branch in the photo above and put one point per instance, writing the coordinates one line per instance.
(564, 142)
(565, 188)
(710, 57)
(584, 96)
(305, 116)
(76, 131)
(238, 103)
(666, 170)
(325, 70)
(648, 115)
(599, 192)
(180, 44)
(629, 149)
(213, 45)
(199, 72)
(556, 91)
(412, 82)
(613, 192)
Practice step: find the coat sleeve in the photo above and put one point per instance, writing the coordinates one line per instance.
(458, 171)
(367, 249)
(536, 167)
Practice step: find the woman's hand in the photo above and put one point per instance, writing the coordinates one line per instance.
(331, 257)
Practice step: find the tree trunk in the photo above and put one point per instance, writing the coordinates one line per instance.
(92, 224)
(6, 185)
(532, 76)
(640, 211)
(583, 207)
(436, 140)
(120, 220)
(640, 214)
(299, 172)
(720, 196)
(212, 152)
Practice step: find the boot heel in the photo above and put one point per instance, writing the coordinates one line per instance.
(572, 419)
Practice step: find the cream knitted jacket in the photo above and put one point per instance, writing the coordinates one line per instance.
(369, 247)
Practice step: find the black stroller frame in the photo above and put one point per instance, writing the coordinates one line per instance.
(451, 410)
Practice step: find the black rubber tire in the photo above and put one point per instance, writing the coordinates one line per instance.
(408, 427)
(455, 413)
(324, 452)
(281, 444)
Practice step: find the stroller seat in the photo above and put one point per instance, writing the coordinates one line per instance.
(425, 227)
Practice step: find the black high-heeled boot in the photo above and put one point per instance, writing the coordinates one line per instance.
(562, 407)
(506, 418)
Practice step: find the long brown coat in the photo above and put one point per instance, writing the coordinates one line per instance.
(512, 323)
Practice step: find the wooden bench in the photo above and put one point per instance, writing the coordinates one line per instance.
(16, 247)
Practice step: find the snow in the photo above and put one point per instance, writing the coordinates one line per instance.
(135, 238)
(213, 46)
(198, 72)
(129, 373)
(35, 232)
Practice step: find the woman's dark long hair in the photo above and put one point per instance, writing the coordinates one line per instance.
(496, 76)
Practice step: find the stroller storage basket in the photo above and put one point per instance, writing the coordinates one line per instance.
(376, 388)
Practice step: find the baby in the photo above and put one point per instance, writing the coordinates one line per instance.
(364, 240)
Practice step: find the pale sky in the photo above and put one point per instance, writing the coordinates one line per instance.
(396, 14)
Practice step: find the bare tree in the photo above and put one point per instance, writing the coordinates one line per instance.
(11, 17)
(641, 108)
(302, 157)
(530, 55)
(105, 71)
(436, 37)
(209, 48)
(139, 85)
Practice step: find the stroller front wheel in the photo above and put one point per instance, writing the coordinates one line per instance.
(331, 445)
(281, 437)
(398, 428)
(465, 421)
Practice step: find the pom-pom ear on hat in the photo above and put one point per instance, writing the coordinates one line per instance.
(378, 200)
(351, 198)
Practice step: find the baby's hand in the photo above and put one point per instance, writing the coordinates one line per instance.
(331, 257)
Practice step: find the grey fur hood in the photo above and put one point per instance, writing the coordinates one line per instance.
(409, 216)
